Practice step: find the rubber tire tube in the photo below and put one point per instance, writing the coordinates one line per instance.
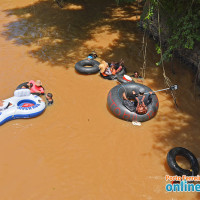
(21, 85)
(80, 66)
(115, 102)
(180, 151)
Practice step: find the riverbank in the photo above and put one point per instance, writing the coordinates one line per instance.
(189, 57)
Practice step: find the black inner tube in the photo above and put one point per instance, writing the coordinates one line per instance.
(80, 66)
(115, 102)
(21, 85)
(180, 151)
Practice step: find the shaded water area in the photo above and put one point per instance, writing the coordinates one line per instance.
(77, 149)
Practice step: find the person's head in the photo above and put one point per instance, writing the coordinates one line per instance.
(49, 96)
(136, 74)
(112, 64)
(94, 54)
(141, 91)
(38, 83)
(104, 63)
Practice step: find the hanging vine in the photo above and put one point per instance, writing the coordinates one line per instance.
(182, 21)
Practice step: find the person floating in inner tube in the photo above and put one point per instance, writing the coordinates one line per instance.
(117, 66)
(137, 102)
(109, 70)
(49, 99)
(92, 55)
(36, 87)
(129, 101)
(137, 77)
(106, 72)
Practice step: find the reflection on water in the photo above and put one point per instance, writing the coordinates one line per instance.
(76, 149)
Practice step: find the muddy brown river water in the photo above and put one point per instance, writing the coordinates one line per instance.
(77, 149)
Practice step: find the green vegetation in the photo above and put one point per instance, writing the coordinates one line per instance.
(182, 20)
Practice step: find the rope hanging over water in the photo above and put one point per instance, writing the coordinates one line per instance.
(166, 79)
(144, 51)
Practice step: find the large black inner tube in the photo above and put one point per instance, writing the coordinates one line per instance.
(81, 66)
(115, 102)
(180, 151)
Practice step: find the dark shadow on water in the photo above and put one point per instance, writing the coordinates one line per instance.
(58, 35)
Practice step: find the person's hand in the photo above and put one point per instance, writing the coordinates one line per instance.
(124, 96)
(150, 92)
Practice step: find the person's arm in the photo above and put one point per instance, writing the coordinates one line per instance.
(134, 94)
(119, 69)
(150, 97)
(31, 82)
(124, 96)
(113, 71)
(41, 90)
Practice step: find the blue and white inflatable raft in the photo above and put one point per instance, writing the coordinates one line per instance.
(22, 105)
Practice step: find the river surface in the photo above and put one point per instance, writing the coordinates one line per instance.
(77, 150)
